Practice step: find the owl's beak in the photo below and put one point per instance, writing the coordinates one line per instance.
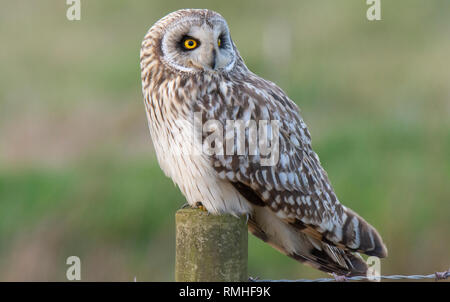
(213, 59)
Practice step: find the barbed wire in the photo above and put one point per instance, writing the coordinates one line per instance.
(436, 276)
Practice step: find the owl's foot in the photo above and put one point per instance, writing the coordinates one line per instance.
(201, 207)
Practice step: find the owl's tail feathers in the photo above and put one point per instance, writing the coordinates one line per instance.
(265, 225)
(358, 235)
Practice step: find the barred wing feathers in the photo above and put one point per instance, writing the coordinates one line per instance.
(296, 189)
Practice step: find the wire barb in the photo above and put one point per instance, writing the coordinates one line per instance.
(442, 275)
(339, 278)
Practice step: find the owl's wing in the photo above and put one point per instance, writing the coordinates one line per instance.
(296, 187)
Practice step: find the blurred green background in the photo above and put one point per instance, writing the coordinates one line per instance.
(78, 175)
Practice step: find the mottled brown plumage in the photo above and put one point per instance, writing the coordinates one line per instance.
(291, 203)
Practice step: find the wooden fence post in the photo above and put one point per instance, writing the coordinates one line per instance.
(210, 247)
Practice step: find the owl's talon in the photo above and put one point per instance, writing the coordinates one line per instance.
(201, 207)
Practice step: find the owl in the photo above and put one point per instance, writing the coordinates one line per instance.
(192, 73)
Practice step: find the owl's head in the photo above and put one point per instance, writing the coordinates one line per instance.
(192, 40)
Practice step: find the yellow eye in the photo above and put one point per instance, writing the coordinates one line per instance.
(190, 44)
(219, 42)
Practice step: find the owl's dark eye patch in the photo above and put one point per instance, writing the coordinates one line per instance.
(222, 41)
(188, 43)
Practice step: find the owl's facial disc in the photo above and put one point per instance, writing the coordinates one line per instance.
(196, 45)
